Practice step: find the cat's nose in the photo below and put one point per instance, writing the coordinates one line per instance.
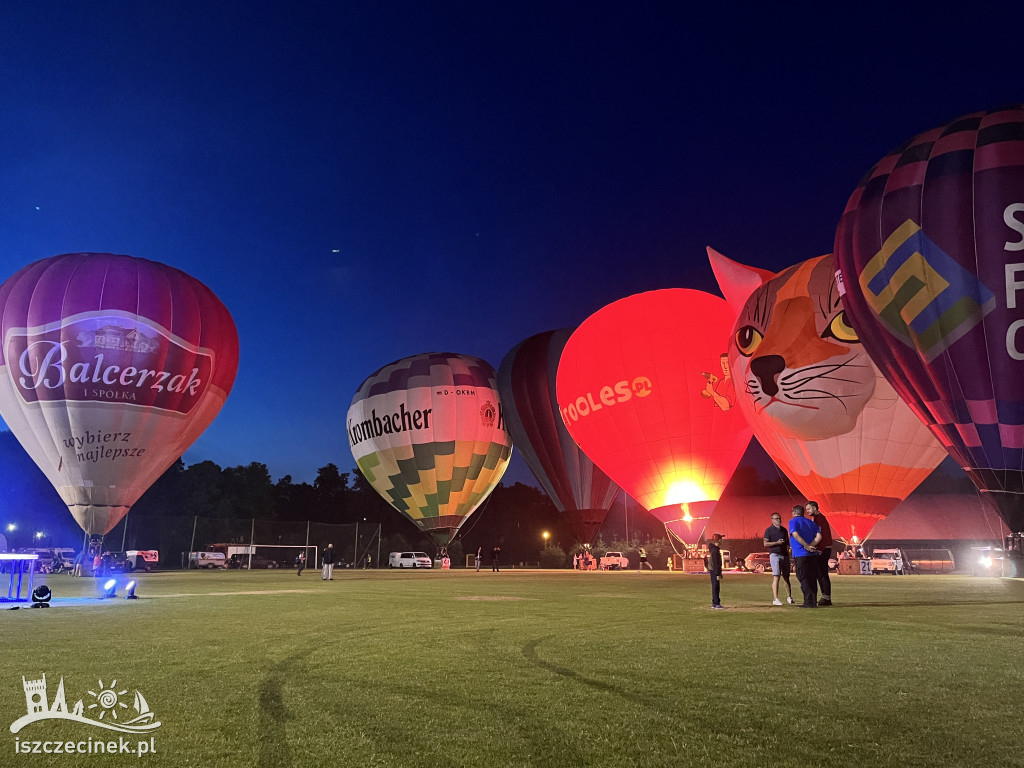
(767, 370)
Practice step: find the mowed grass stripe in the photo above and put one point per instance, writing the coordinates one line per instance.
(387, 668)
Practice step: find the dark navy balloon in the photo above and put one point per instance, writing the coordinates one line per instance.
(526, 382)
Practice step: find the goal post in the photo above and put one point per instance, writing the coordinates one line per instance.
(256, 556)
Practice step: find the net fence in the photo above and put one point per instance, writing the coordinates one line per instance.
(274, 540)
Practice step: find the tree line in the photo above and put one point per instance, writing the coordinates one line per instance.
(514, 517)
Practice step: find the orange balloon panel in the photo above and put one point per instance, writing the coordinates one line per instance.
(644, 390)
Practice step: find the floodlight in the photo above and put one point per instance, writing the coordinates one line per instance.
(109, 589)
(130, 589)
(41, 596)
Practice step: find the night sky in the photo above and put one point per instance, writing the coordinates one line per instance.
(359, 182)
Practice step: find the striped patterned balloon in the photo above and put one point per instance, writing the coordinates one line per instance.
(428, 434)
(930, 253)
(526, 381)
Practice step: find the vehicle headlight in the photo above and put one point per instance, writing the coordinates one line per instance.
(985, 562)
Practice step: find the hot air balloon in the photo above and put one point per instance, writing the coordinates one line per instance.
(931, 253)
(642, 389)
(818, 405)
(428, 433)
(526, 382)
(111, 367)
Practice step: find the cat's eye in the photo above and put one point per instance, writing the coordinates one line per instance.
(840, 330)
(748, 339)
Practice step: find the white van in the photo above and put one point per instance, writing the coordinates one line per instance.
(207, 560)
(142, 560)
(409, 560)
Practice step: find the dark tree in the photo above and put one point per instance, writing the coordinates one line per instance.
(331, 489)
(294, 502)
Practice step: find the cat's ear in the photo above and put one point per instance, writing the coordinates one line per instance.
(737, 281)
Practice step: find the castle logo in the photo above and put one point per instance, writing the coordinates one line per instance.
(102, 708)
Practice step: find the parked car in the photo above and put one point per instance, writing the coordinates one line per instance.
(52, 559)
(116, 562)
(758, 562)
(614, 561)
(409, 560)
(991, 561)
(888, 561)
(257, 561)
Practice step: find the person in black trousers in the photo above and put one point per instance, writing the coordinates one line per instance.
(825, 552)
(495, 559)
(715, 569)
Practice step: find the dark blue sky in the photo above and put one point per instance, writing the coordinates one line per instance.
(359, 182)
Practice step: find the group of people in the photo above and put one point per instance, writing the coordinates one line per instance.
(584, 561)
(495, 558)
(809, 539)
(806, 543)
(327, 566)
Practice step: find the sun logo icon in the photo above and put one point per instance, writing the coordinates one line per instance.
(107, 700)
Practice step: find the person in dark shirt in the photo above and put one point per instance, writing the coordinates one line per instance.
(804, 536)
(715, 569)
(495, 559)
(776, 539)
(825, 548)
(328, 570)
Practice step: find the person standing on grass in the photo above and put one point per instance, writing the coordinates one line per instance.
(478, 558)
(643, 561)
(776, 539)
(715, 569)
(328, 571)
(300, 562)
(804, 536)
(825, 552)
(495, 559)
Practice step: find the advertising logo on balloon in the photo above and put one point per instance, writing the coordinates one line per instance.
(402, 420)
(488, 413)
(107, 359)
(921, 294)
(606, 397)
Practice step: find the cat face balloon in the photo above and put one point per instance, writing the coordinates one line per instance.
(816, 402)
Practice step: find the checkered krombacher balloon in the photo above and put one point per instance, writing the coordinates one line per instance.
(428, 434)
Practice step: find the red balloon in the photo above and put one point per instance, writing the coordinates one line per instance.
(643, 390)
(526, 382)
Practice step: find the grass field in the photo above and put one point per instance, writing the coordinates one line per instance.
(529, 668)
